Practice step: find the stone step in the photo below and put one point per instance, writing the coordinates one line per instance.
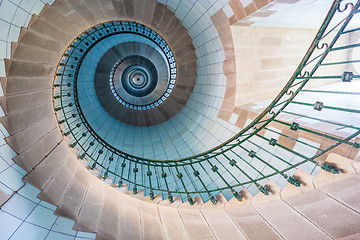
(43, 171)
(21, 85)
(109, 10)
(245, 217)
(97, 9)
(287, 222)
(76, 12)
(119, 9)
(129, 224)
(18, 121)
(151, 225)
(50, 30)
(20, 102)
(23, 140)
(30, 158)
(219, 221)
(31, 37)
(321, 210)
(26, 52)
(51, 15)
(171, 221)
(73, 198)
(55, 189)
(195, 224)
(148, 11)
(89, 214)
(109, 226)
(66, 9)
(17, 68)
(157, 15)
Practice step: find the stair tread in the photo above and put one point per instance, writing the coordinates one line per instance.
(42, 173)
(55, 189)
(35, 154)
(73, 197)
(89, 215)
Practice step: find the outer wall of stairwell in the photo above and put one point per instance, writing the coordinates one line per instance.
(53, 168)
(223, 24)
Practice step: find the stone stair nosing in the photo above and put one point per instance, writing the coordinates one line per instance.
(87, 19)
(16, 103)
(65, 8)
(129, 219)
(21, 141)
(245, 217)
(157, 15)
(18, 121)
(151, 226)
(287, 222)
(55, 189)
(148, 11)
(18, 68)
(43, 171)
(171, 221)
(30, 37)
(48, 13)
(97, 10)
(73, 197)
(24, 85)
(89, 215)
(195, 224)
(327, 201)
(50, 30)
(129, 9)
(31, 157)
(118, 6)
(26, 52)
(109, 218)
(219, 221)
(3, 82)
(109, 10)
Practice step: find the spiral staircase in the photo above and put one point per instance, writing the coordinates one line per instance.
(222, 193)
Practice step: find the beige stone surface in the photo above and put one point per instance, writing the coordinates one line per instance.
(151, 226)
(109, 219)
(222, 226)
(326, 213)
(252, 225)
(43, 172)
(56, 188)
(32, 53)
(130, 223)
(288, 222)
(34, 155)
(172, 223)
(73, 197)
(194, 222)
(265, 59)
(16, 68)
(18, 102)
(21, 141)
(3, 197)
(20, 120)
(91, 209)
(23, 85)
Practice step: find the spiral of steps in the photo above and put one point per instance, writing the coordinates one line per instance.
(326, 206)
